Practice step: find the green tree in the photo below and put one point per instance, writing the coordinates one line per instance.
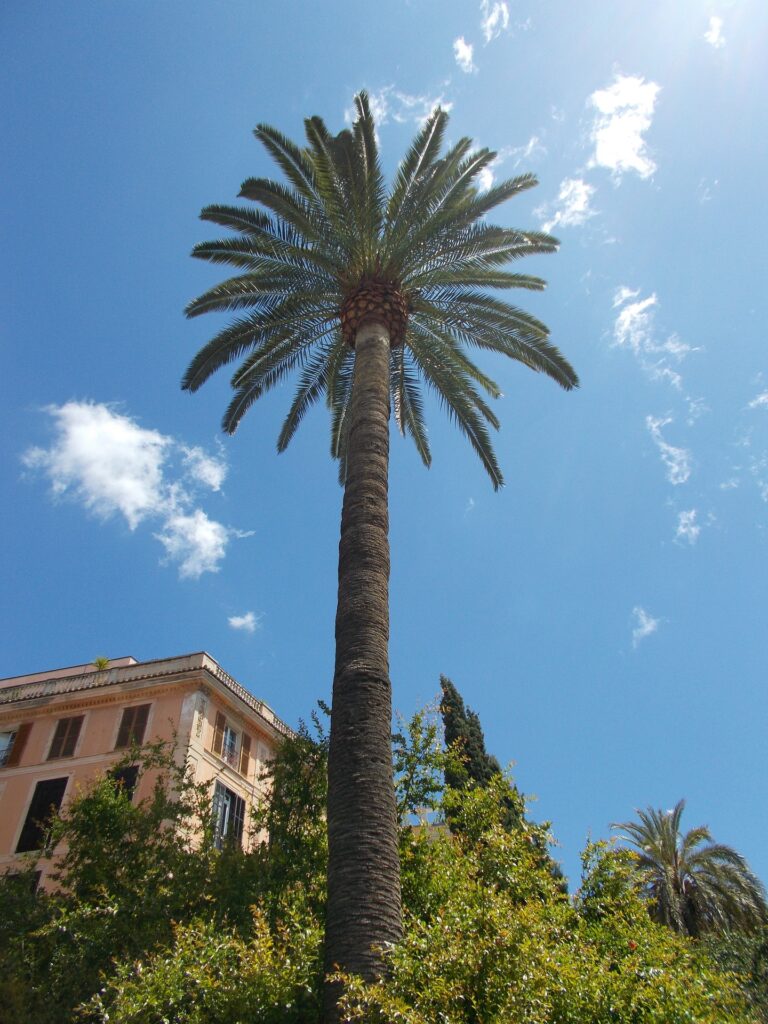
(693, 884)
(366, 292)
(464, 734)
(473, 766)
(745, 955)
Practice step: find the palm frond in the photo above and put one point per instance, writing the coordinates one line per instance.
(693, 884)
(292, 160)
(317, 239)
(460, 400)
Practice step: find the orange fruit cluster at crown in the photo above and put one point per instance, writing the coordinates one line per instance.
(375, 302)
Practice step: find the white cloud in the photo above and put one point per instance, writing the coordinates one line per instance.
(697, 407)
(624, 114)
(534, 147)
(195, 542)
(759, 401)
(390, 103)
(705, 189)
(486, 178)
(106, 460)
(249, 622)
(515, 154)
(463, 52)
(494, 19)
(110, 465)
(571, 208)
(677, 460)
(634, 328)
(714, 34)
(210, 470)
(645, 624)
(687, 527)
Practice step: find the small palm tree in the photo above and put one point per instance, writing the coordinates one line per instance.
(693, 884)
(366, 292)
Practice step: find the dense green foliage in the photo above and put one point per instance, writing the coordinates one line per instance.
(148, 929)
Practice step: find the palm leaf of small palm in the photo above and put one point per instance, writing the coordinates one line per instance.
(693, 884)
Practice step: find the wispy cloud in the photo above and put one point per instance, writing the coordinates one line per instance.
(248, 623)
(645, 625)
(571, 208)
(714, 34)
(390, 103)
(687, 527)
(624, 112)
(759, 401)
(514, 155)
(494, 19)
(705, 189)
(463, 53)
(634, 328)
(677, 460)
(106, 462)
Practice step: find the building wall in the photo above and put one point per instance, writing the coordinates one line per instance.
(187, 697)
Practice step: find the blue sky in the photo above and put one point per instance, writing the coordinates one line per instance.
(605, 613)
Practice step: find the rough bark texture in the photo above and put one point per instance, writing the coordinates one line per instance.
(363, 909)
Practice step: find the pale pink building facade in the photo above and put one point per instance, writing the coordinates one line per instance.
(60, 728)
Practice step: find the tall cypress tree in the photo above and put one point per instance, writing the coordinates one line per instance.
(464, 734)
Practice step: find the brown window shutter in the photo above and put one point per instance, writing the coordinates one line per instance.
(140, 716)
(218, 733)
(65, 737)
(19, 742)
(132, 726)
(73, 733)
(58, 738)
(124, 732)
(245, 754)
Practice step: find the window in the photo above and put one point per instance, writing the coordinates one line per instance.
(29, 880)
(125, 779)
(228, 817)
(12, 745)
(6, 744)
(231, 746)
(132, 726)
(65, 737)
(46, 800)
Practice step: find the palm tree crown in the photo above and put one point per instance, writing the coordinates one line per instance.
(694, 885)
(332, 250)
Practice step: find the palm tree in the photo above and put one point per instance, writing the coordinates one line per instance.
(694, 885)
(366, 292)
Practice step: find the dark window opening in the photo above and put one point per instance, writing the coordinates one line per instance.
(132, 726)
(29, 880)
(125, 779)
(46, 801)
(228, 817)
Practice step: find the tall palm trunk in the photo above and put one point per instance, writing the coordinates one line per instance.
(363, 912)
